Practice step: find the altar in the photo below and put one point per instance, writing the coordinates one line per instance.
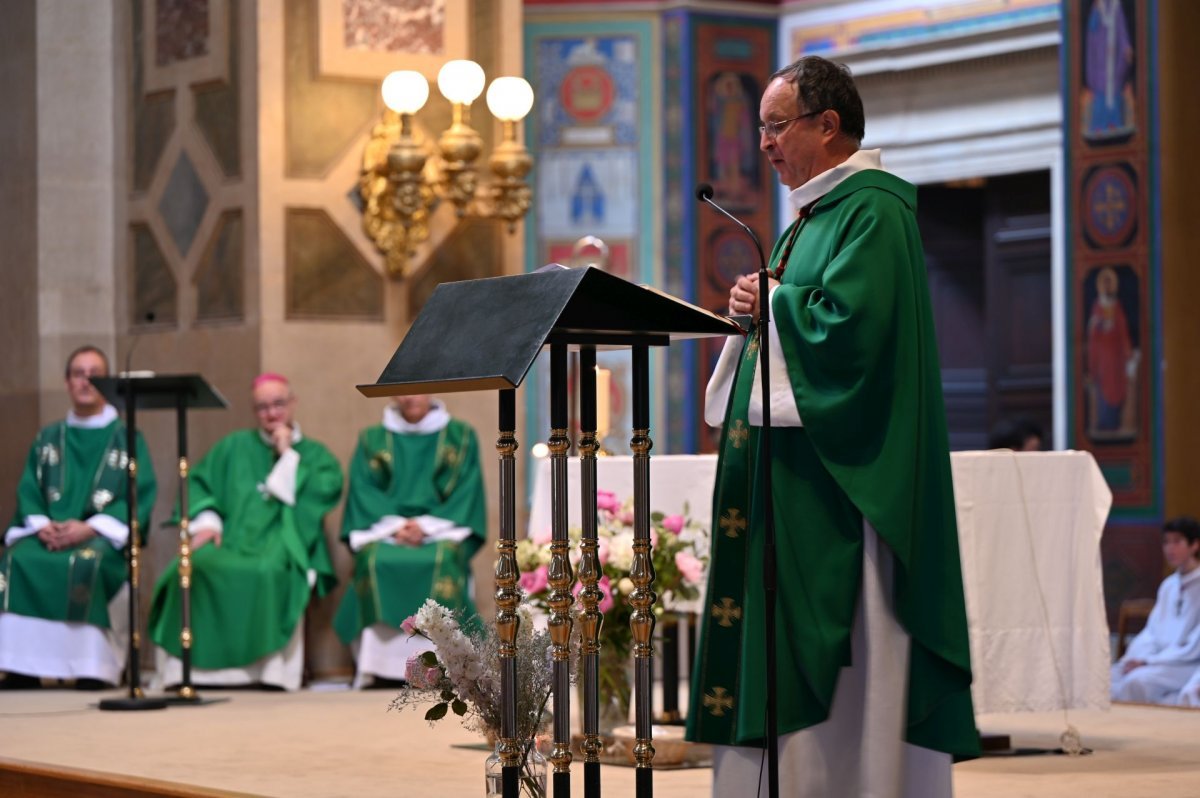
(1029, 528)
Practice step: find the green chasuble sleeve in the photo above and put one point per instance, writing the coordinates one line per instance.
(856, 330)
(249, 592)
(411, 475)
(74, 473)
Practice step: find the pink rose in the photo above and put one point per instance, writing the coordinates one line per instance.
(535, 581)
(653, 538)
(626, 518)
(690, 568)
(673, 524)
(607, 500)
(409, 625)
(432, 677)
(606, 599)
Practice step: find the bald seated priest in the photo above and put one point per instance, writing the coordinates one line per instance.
(258, 501)
(415, 516)
(63, 594)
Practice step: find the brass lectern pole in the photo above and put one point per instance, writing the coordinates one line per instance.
(642, 573)
(508, 595)
(590, 618)
(559, 573)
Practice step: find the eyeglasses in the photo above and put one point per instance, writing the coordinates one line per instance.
(267, 407)
(772, 129)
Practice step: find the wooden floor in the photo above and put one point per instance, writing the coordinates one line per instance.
(340, 743)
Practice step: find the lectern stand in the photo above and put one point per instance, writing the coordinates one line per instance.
(485, 335)
(180, 392)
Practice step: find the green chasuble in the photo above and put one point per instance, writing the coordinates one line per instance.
(854, 320)
(249, 593)
(410, 475)
(73, 473)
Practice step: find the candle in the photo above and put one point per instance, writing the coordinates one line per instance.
(602, 402)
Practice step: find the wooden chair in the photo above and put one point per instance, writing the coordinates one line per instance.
(1132, 611)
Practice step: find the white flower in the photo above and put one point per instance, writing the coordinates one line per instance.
(620, 552)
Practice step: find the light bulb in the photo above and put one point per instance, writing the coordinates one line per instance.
(510, 98)
(461, 81)
(405, 91)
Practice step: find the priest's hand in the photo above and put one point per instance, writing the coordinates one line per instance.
(743, 297)
(65, 534)
(1130, 664)
(281, 438)
(204, 535)
(410, 534)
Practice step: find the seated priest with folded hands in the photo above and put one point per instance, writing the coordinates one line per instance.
(415, 515)
(63, 596)
(258, 501)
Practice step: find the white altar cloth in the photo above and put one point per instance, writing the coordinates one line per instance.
(1017, 647)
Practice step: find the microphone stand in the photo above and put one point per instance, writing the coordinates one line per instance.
(704, 193)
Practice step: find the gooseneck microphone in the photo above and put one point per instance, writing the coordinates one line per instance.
(704, 193)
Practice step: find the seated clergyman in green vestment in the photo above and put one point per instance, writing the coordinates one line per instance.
(258, 500)
(415, 515)
(63, 595)
(873, 657)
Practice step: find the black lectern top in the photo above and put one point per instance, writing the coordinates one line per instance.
(484, 334)
(160, 391)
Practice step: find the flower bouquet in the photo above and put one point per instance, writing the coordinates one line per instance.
(463, 677)
(679, 553)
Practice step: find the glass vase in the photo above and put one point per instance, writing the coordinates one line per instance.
(531, 779)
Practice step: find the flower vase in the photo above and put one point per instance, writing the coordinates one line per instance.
(615, 689)
(531, 779)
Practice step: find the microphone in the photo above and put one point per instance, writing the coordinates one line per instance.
(137, 338)
(704, 193)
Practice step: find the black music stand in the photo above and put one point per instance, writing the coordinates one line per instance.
(485, 335)
(179, 392)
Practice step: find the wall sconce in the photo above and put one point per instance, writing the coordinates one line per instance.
(400, 185)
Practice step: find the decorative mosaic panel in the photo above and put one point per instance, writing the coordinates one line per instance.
(218, 112)
(326, 276)
(322, 116)
(220, 279)
(395, 26)
(180, 30)
(153, 283)
(153, 115)
(183, 203)
(1115, 394)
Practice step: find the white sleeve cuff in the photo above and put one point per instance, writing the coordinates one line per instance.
(716, 395)
(436, 529)
(206, 519)
(116, 531)
(32, 524)
(383, 529)
(281, 482)
(784, 412)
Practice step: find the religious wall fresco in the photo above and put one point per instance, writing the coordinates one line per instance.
(395, 26)
(1114, 262)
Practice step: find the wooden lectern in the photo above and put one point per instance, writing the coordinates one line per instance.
(485, 334)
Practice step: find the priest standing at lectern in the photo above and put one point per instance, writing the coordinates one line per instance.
(63, 571)
(258, 501)
(415, 516)
(873, 658)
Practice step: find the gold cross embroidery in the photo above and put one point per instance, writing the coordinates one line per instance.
(738, 433)
(445, 587)
(752, 348)
(726, 612)
(718, 702)
(732, 522)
